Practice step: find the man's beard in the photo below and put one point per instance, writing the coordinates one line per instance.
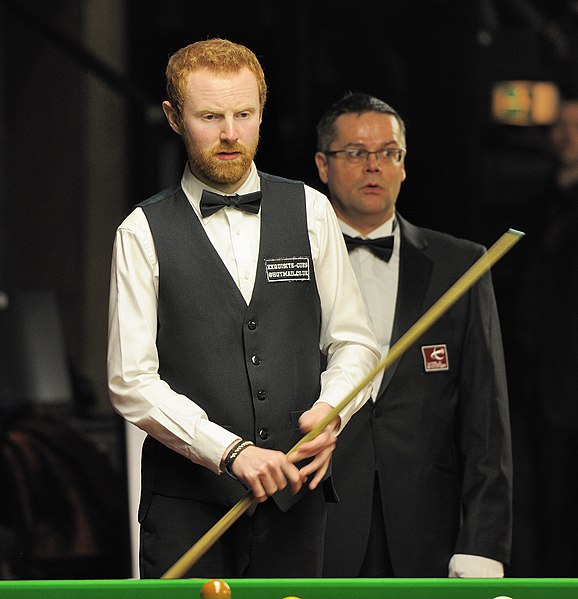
(214, 170)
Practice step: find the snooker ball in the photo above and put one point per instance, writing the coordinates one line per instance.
(215, 589)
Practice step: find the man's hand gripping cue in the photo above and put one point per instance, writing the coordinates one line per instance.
(266, 471)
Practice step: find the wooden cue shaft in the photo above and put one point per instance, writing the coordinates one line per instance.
(467, 280)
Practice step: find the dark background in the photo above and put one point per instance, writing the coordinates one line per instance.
(82, 138)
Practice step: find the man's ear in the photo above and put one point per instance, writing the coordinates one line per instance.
(321, 162)
(172, 117)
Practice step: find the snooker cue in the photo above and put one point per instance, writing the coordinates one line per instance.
(467, 280)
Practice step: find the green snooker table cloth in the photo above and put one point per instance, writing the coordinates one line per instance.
(319, 588)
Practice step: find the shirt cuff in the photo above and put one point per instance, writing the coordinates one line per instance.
(212, 440)
(336, 395)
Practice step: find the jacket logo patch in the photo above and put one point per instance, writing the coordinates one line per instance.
(435, 357)
(287, 269)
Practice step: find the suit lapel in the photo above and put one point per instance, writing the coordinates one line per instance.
(414, 276)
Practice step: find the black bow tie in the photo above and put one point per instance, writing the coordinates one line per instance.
(382, 247)
(212, 202)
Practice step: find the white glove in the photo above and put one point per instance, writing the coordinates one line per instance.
(474, 566)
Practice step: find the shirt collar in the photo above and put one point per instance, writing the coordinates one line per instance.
(193, 188)
(387, 228)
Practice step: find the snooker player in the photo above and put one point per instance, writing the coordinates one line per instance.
(224, 290)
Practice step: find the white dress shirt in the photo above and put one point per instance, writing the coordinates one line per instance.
(378, 283)
(143, 398)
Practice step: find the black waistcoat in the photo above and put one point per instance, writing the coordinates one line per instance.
(254, 369)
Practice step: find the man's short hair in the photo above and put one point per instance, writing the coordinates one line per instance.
(351, 103)
(218, 55)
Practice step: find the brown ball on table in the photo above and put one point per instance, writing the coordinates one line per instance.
(215, 589)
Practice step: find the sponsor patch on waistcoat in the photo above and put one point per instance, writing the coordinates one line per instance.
(287, 269)
(435, 357)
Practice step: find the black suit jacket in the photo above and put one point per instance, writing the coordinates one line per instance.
(438, 432)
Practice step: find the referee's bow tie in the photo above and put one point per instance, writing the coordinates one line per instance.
(212, 202)
(382, 247)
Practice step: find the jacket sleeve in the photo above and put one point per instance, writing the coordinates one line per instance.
(484, 432)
